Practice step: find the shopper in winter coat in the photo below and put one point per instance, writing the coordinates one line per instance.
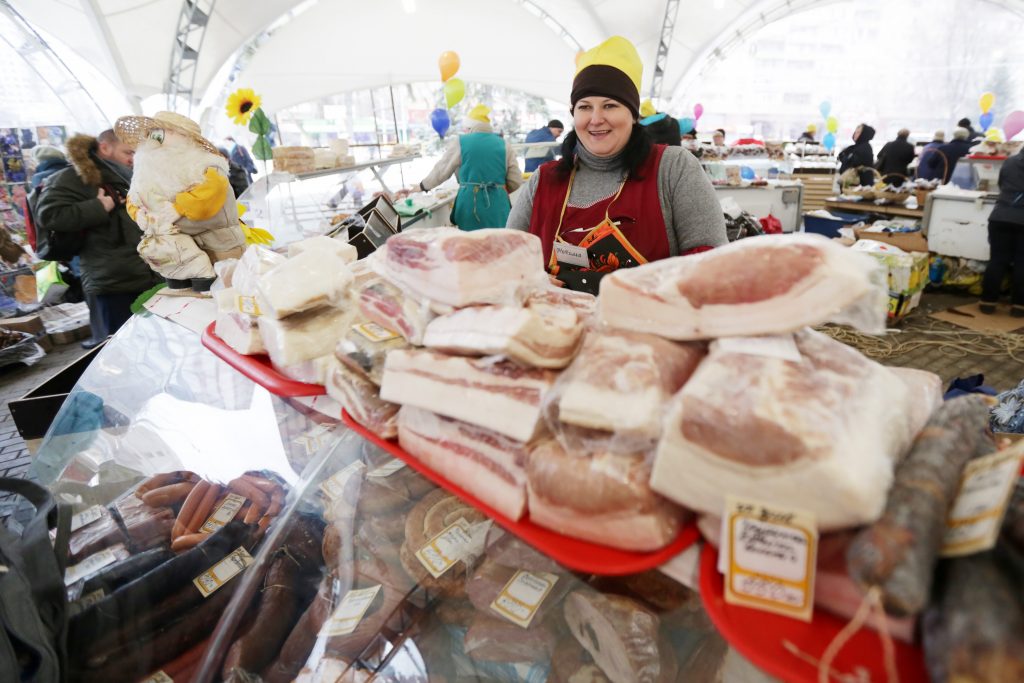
(952, 152)
(895, 157)
(1006, 239)
(859, 154)
(548, 133)
(240, 155)
(486, 168)
(49, 160)
(923, 169)
(612, 183)
(237, 177)
(90, 197)
(972, 134)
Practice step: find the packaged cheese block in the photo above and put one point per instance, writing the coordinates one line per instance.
(324, 158)
(365, 346)
(305, 336)
(253, 264)
(820, 430)
(310, 280)
(310, 371)
(458, 268)
(360, 398)
(388, 306)
(345, 251)
(240, 332)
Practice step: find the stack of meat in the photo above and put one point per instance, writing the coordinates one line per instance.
(235, 294)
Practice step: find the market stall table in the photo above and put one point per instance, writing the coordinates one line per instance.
(869, 207)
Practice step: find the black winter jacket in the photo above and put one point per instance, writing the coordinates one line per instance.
(109, 259)
(860, 154)
(1009, 206)
(895, 157)
(952, 152)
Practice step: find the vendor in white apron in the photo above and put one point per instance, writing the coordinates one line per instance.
(487, 172)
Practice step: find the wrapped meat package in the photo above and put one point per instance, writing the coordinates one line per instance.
(458, 268)
(541, 335)
(386, 305)
(584, 303)
(359, 397)
(824, 427)
(343, 250)
(365, 346)
(254, 264)
(240, 331)
(310, 280)
(613, 396)
(603, 498)
(313, 371)
(305, 336)
(437, 511)
(493, 392)
(769, 284)
(487, 464)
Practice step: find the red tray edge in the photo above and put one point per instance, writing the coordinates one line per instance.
(258, 372)
(626, 562)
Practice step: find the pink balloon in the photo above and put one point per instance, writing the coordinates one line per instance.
(698, 109)
(1013, 124)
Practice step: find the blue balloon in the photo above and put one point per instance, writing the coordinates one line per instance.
(747, 173)
(440, 121)
(986, 120)
(825, 107)
(829, 141)
(653, 118)
(686, 125)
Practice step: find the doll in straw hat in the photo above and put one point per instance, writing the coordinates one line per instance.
(181, 199)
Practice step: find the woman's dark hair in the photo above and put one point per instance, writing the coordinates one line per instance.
(633, 155)
(665, 132)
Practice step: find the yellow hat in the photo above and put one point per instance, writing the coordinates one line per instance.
(647, 109)
(612, 69)
(811, 128)
(994, 135)
(480, 113)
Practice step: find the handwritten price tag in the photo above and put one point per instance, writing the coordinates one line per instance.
(977, 513)
(219, 574)
(350, 611)
(387, 470)
(334, 487)
(522, 596)
(224, 513)
(374, 332)
(86, 517)
(89, 566)
(772, 554)
(447, 548)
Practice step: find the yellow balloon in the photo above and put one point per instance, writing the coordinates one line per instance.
(832, 124)
(986, 102)
(454, 91)
(994, 135)
(448, 63)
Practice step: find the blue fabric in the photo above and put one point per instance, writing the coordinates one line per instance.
(46, 169)
(482, 201)
(961, 386)
(540, 135)
(954, 151)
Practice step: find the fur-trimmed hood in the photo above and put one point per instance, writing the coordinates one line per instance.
(81, 154)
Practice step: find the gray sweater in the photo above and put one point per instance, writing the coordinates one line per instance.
(693, 215)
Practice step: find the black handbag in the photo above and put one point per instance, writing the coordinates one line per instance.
(33, 599)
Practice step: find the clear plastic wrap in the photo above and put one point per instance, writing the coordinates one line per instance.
(614, 395)
(240, 331)
(305, 336)
(313, 371)
(770, 284)
(359, 396)
(584, 303)
(225, 271)
(341, 248)
(540, 335)
(364, 348)
(456, 268)
(310, 280)
(254, 263)
(385, 304)
(19, 347)
(492, 392)
(824, 427)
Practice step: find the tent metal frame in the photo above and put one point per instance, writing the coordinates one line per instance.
(193, 19)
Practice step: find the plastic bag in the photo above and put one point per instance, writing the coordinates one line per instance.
(304, 336)
(359, 396)
(364, 348)
(310, 280)
(225, 270)
(240, 331)
(46, 277)
(19, 347)
(385, 304)
(771, 225)
(250, 268)
(342, 249)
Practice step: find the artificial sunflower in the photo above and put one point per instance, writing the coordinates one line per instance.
(241, 104)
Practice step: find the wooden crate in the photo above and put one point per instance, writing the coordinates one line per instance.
(817, 188)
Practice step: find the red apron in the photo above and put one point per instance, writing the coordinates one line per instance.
(636, 210)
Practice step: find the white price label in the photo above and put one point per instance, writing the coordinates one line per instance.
(314, 439)
(91, 598)
(349, 612)
(772, 556)
(334, 487)
(374, 332)
(782, 346)
(388, 469)
(219, 574)
(89, 566)
(977, 513)
(522, 596)
(571, 254)
(86, 517)
(448, 547)
(248, 305)
(224, 513)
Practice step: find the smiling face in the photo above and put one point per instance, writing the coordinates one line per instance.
(602, 124)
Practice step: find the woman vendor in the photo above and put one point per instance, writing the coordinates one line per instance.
(614, 199)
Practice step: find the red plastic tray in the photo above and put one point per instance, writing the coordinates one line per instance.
(574, 553)
(758, 636)
(258, 368)
(991, 157)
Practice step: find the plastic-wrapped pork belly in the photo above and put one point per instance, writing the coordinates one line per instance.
(365, 346)
(602, 498)
(494, 393)
(313, 371)
(240, 331)
(541, 335)
(359, 397)
(826, 431)
(584, 303)
(770, 284)
(305, 336)
(310, 280)
(342, 249)
(487, 464)
(383, 303)
(614, 394)
(458, 268)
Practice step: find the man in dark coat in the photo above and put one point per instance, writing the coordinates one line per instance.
(1006, 239)
(859, 154)
(923, 169)
(895, 157)
(951, 152)
(240, 155)
(237, 177)
(972, 134)
(90, 196)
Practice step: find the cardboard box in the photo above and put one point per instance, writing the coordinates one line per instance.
(32, 324)
(907, 241)
(907, 275)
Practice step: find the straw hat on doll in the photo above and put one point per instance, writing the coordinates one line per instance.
(132, 130)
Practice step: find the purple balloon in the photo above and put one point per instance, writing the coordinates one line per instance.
(986, 120)
(440, 121)
(1013, 124)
